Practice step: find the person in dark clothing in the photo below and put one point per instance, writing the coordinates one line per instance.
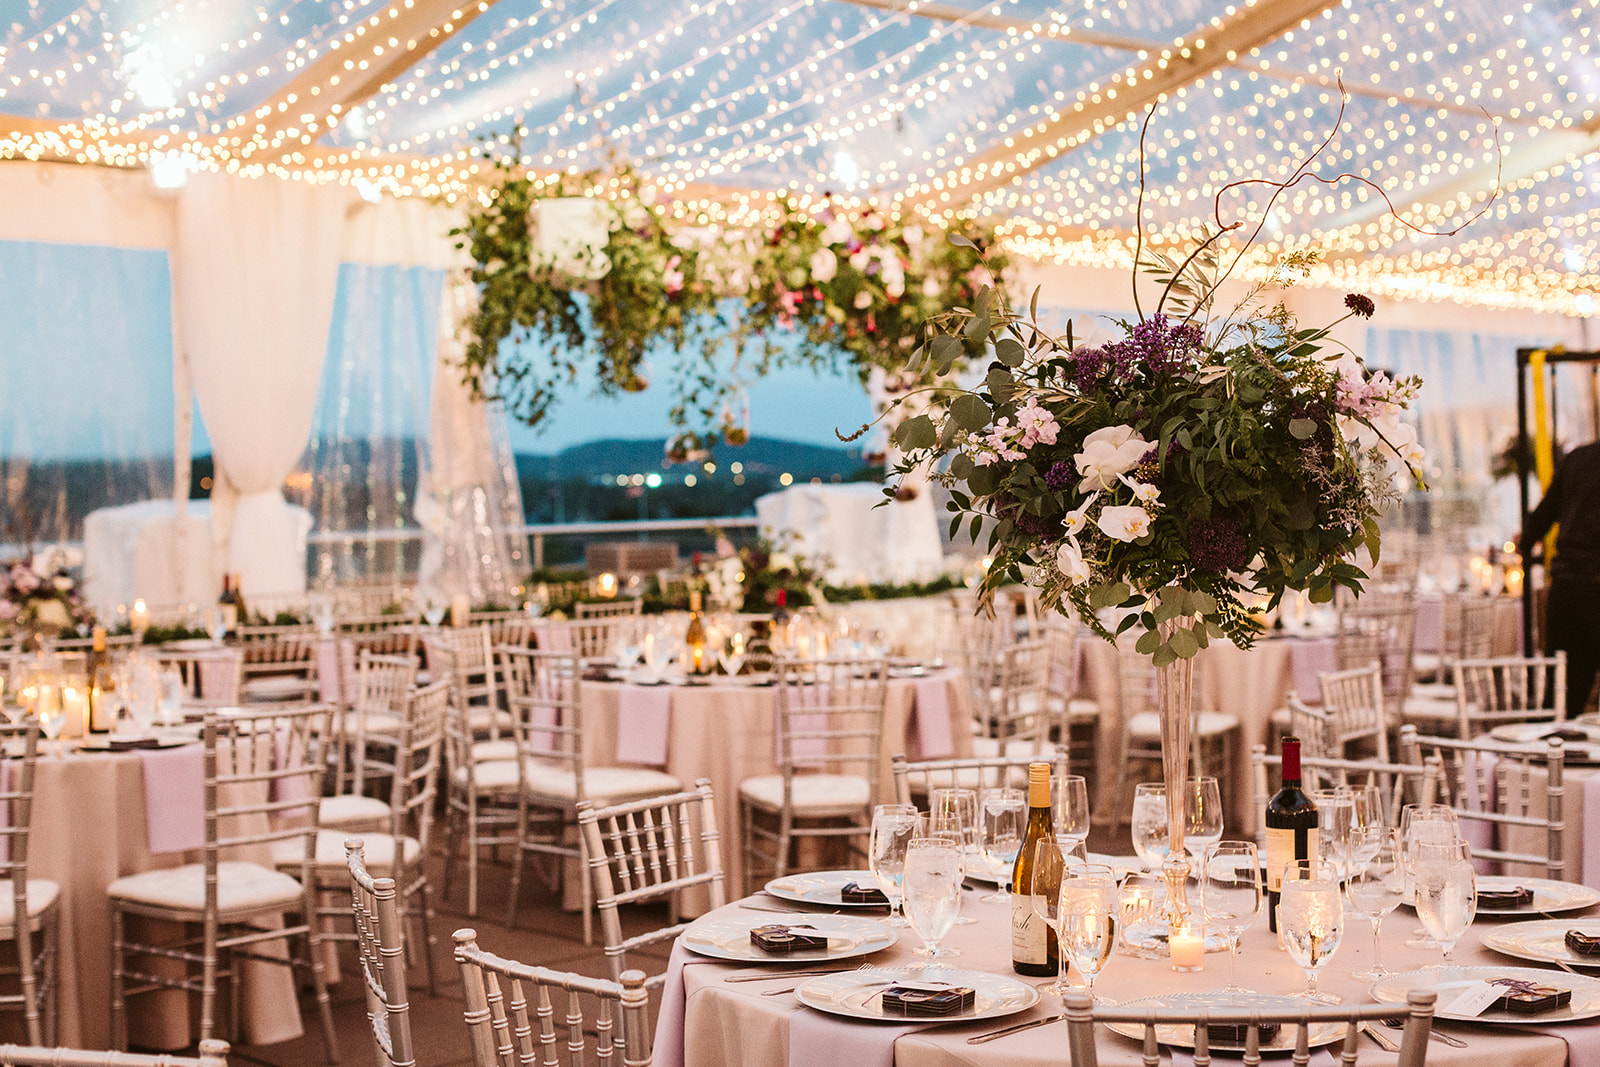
(1572, 611)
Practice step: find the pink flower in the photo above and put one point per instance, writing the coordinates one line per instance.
(8, 611)
(1037, 424)
(672, 277)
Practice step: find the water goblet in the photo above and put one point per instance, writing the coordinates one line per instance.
(731, 654)
(1148, 824)
(892, 828)
(1003, 814)
(1335, 819)
(1434, 823)
(1376, 885)
(1049, 868)
(216, 625)
(51, 708)
(1142, 907)
(1230, 895)
(433, 612)
(1447, 891)
(1089, 911)
(931, 885)
(1203, 819)
(1311, 919)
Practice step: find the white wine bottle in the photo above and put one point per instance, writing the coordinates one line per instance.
(1033, 944)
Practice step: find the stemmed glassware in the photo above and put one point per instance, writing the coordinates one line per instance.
(1148, 824)
(1311, 919)
(1447, 891)
(433, 612)
(1230, 895)
(51, 708)
(1049, 872)
(1335, 820)
(1003, 813)
(1089, 913)
(1376, 885)
(731, 654)
(893, 826)
(932, 889)
(955, 810)
(1203, 819)
(1433, 823)
(1069, 802)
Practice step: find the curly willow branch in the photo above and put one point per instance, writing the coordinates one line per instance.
(1138, 215)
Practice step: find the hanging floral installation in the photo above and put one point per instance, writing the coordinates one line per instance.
(596, 270)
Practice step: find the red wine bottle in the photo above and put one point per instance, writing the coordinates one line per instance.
(1291, 827)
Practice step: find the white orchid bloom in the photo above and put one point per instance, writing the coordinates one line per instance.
(1124, 522)
(1070, 561)
(824, 265)
(1108, 453)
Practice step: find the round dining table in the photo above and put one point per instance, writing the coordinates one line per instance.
(706, 1021)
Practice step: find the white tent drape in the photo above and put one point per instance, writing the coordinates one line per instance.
(472, 496)
(255, 273)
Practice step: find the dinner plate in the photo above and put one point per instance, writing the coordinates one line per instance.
(193, 644)
(859, 994)
(130, 744)
(822, 887)
(1177, 1035)
(1548, 895)
(1392, 989)
(729, 938)
(1542, 940)
(1523, 733)
(979, 869)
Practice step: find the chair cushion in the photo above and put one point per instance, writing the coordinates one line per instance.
(481, 717)
(603, 785)
(992, 748)
(349, 811)
(1432, 709)
(379, 723)
(240, 886)
(42, 893)
(278, 687)
(491, 776)
(817, 795)
(503, 749)
(1147, 724)
(1434, 691)
(378, 850)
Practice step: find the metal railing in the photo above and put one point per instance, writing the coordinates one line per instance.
(537, 533)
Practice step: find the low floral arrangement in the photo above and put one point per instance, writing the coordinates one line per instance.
(1188, 468)
(748, 579)
(790, 288)
(39, 592)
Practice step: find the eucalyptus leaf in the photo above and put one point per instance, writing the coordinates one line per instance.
(1010, 351)
(916, 433)
(1164, 656)
(946, 350)
(1148, 642)
(970, 412)
(1302, 428)
(1183, 643)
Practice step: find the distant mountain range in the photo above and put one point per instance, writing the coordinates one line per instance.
(762, 455)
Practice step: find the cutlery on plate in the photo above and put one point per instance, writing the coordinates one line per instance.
(864, 985)
(1017, 1029)
(1399, 1023)
(785, 974)
(1383, 1040)
(789, 909)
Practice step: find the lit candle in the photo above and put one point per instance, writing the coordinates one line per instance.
(460, 610)
(73, 706)
(139, 618)
(1514, 581)
(1188, 949)
(606, 584)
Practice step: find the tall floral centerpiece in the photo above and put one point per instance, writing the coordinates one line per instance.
(1170, 480)
(39, 595)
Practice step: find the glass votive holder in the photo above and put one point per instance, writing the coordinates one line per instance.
(1187, 948)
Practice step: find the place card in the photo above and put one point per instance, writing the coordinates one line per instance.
(1474, 999)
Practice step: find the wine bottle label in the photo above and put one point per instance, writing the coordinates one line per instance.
(1283, 848)
(1028, 933)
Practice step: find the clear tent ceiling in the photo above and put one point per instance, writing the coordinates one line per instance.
(939, 105)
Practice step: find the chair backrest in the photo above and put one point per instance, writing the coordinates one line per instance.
(546, 714)
(380, 941)
(830, 716)
(922, 777)
(1509, 689)
(504, 627)
(382, 635)
(1083, 1013)
(1314, 727)
(263, 775)
(280, 651)
(213, 1053)
(1389, 620)
(645, 850)
(1398, 784)
(589, 637)
(1021, 708)
(416, 769)
(465, 656)
(1354, 702)
(16, 806)
(383, 686)
(503, 1032)
(1466, 630)
(1499, 785)
(606, 609)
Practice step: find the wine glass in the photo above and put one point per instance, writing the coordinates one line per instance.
(433, 612)
(1069, 804)
(731, 654)
(1148, 824)
(1203, 821)
(956, 810)
(1141, 914)
(1376, 885)
(1447, 891)
(1367, 807)
(51, 709)
(892, 828)
(1230, 895)
(932, 889)
(216, 625)
(1049, 868)
(1335, 819)
(1089, 911)
(1311, 919)
(1003, 815)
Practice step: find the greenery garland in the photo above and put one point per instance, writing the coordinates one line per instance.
(801, 289)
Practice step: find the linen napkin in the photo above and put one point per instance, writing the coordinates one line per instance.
(553, 637)
(174, 798)
(644, 716)
(818, 1038)
(219, 676)
(329, 672)
(1425, 637)
(288, 751)
(930, 707)
(1308, 658)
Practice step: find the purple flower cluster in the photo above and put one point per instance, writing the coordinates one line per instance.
(1217, 544)
(1060, 477)
(1155, 344)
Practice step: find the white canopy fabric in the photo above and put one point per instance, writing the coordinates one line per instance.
(255, 271)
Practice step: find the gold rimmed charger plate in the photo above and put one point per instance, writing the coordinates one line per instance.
(859, 994)
(1542, 940)
(1177, 1035)
(1449, 981)
(729, 938)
